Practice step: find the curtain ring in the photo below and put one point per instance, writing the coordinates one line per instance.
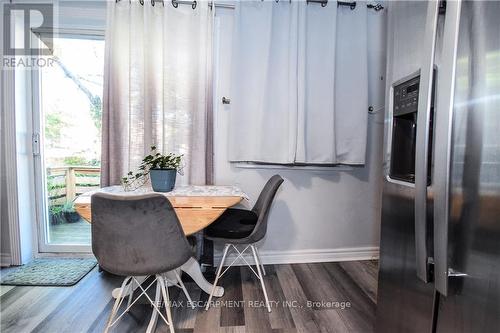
(175, 3)
(141, 2)
(193, 5)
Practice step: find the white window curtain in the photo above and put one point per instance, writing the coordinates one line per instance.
(156, 87)
(299, 83)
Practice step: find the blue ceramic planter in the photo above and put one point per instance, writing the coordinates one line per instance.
(163, 180)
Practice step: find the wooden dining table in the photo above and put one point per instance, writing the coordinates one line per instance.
(196, 206)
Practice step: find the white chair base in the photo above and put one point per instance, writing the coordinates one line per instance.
(258, 264)
(162, 281)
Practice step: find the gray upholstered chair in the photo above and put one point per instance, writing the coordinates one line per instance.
(137, 236)
(244, 228)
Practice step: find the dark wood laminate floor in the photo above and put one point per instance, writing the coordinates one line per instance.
(303, 296)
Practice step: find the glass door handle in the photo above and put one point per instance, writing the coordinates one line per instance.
(35, 144)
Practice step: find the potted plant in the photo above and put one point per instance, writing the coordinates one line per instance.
(161, 169)
(69, 212)
(55, 214)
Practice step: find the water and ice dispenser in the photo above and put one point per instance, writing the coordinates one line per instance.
(404, 130)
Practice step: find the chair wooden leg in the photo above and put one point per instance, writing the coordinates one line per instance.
(154, 316)
(183, 287)
(117, 304)
(130, 292)
(261, 264)
(219, 269)
(261, 278)
(166, 299)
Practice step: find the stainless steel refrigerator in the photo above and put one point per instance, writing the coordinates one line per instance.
(440, 233)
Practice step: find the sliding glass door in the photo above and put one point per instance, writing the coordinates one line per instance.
(67, 100)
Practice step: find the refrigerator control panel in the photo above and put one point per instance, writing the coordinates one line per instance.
(406, 96)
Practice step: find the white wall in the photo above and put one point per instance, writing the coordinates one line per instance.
(17, 201)
(4, 222)
(4, 217)
(24, 167)
(318, 215)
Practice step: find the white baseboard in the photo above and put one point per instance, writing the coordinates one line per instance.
(306, 256)
(5, 259)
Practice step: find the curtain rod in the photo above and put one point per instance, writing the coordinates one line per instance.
(351, 4)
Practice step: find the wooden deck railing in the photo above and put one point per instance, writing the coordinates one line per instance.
(66, 183)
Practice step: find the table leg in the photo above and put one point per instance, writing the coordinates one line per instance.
(140, 280)
(207, 261)
(193, 269)
(199, 245)
(207, 258)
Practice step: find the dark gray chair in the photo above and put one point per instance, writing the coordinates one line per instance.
(244, 227)
(138, 236)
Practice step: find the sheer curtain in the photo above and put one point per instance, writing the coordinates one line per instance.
(156, 87)
(299, 83)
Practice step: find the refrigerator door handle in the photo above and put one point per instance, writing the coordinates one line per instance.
(422, 143)
(443, 140)
(454, 273)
